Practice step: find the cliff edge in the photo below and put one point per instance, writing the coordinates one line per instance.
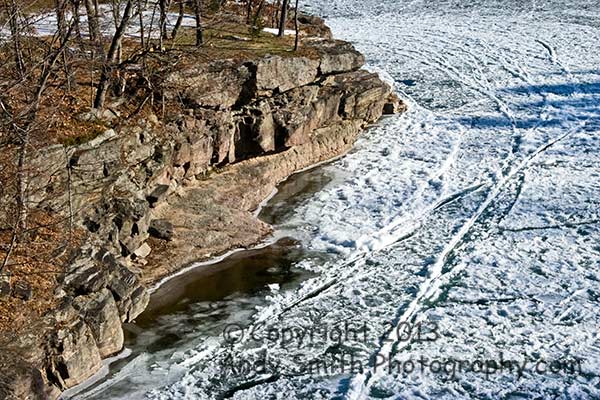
(157, 193)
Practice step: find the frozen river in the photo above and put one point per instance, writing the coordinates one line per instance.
(455, 253)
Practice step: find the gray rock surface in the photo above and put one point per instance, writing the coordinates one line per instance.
(157, 195)
(338, 56)
(192, 181)
(161, 229)
(216, 84)
(100, 313)
(285, 73)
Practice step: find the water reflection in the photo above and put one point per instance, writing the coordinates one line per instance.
(194, 307)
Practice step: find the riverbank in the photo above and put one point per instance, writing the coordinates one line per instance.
(156, 194)
(198, 302)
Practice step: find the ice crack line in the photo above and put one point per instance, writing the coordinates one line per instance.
(362, 383)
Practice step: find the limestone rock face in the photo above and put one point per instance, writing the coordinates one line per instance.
(161, 229)
(100, 313)
(78, 357)
(216, 84)
(285, 73)
(192, 179)
(338, 56)
(364, 95)
(20, 380)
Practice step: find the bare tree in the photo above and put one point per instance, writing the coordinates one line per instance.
(76, 21)
(283, 17)
(61, 7)
(198, 16)
(91, 9)
(248, 11)
(13, 11)
(179, 19)
(111, 56)
(275, 16)
(140, 10)
(164, 9)
(21, 123)
(297, 37)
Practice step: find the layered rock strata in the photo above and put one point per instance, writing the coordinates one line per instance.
(158, 195)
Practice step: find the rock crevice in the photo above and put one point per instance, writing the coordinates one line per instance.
(158, 195)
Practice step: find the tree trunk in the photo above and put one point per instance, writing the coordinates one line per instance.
(297, 39)
(283, 19)
(249, 11)
(76, 21)
(111, 57)
(275, 18)
(15, 32)
(141, 17)
(198, 15)
(179, 19)
(164, 9)
(59, 6)
(91, 9)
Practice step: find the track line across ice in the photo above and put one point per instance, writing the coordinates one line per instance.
(361, 384)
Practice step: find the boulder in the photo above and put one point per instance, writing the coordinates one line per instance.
(89, 162)
(130, 295)
(131, 219)
(20, 380)
(161, 229)
(338, 56)
(157, 195)
(364, 95)
(143, 251)
(216, 84)
(183, 154)
(77, 355)
(48, 174)
(100, 313)
(85, 276)
(284, 73)
(393, 105)
(98, 116)
(314, 26)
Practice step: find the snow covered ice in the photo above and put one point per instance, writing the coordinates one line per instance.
(476, 213)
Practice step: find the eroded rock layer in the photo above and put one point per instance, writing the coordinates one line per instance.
(157, 195)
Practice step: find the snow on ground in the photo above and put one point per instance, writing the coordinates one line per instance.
(476, 214)
(46, 24)
(275, 31)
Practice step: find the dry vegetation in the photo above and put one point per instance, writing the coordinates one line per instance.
(40, 105)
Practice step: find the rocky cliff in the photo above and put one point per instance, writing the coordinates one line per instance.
(157, 194)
